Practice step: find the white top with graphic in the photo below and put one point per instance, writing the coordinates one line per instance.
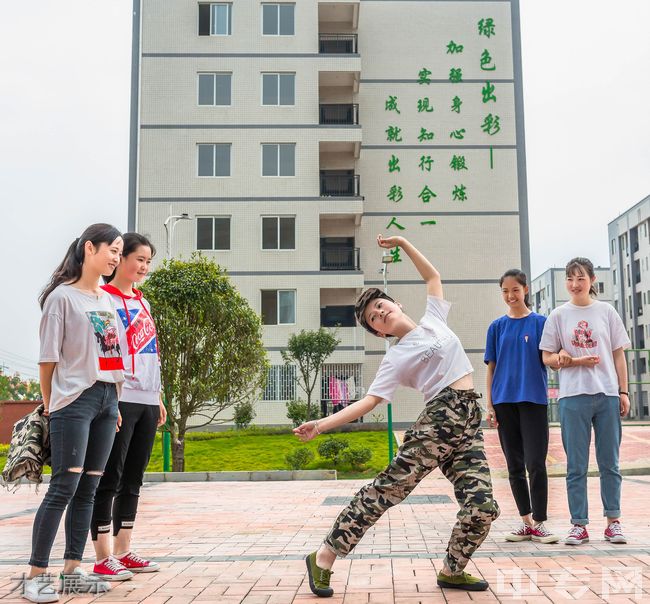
(79, 333)
(584, 331)
(428, 358)
(139, 344)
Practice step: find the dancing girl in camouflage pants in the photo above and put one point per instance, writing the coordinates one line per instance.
(429, 357)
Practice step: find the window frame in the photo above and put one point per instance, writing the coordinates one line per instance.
(277, 306)
(279, 163)
(278, 75)
(278, 21)
(277, 249)
(214, 88)
(214, 166)
(213, 217)
(229, 6)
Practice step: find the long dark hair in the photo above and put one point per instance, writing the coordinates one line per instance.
(521, 278)
(579, 266)
(69, 271)
(132, 241)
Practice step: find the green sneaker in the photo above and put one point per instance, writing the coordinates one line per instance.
(463, 581)
(319, 578)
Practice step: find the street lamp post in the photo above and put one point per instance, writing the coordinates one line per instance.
(386, 259)
(170, 225)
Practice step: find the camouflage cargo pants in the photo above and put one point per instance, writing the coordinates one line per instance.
(446, 435)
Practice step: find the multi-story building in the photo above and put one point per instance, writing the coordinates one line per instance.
(548, 290)
(294, 133)
(629, 248)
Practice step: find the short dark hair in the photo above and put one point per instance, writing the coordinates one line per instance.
(363, 300)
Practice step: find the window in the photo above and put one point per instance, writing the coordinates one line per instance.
(614, 276)
(278, 307)
(215, 19)
(278, 232)
(613, 246)
(629, 306)
(279, 160)
(280, 383)
(214, 159)
(601, 287)
(627, 271)
(278, 89)
(278, 19)
(214, 88)
(213, 232)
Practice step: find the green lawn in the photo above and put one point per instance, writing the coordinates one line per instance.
(258, 450)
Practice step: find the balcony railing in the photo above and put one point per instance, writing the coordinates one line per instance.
(339, 185)
(339, 259)
(337, 44)
(339, 114)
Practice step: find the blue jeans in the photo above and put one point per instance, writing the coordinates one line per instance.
(81, 437)
(577, 415)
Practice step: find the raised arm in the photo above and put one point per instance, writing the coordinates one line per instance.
(427, 271)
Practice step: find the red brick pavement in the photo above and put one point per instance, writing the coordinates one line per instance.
(244, 543)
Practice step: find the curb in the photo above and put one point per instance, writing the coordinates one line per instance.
(242, 476)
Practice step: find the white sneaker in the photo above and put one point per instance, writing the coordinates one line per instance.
(80, 582)
(40, 589)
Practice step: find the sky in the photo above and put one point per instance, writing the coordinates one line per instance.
(64, 135)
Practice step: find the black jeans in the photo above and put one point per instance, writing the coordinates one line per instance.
(117, 496)
(523, 433)
(81, 437)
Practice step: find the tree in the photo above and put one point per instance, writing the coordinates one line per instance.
(308, 351)
(12, 388)
(211, 351)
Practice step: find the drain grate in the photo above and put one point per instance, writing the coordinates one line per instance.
(410, 500)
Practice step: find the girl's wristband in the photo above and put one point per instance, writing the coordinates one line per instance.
(623, 392)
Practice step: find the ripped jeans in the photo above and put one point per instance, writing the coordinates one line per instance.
(81, 437)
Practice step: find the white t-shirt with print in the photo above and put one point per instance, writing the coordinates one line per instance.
(596, 329)
(428, 358)
(79, 333)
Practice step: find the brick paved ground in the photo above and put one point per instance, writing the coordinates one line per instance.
(245, 542)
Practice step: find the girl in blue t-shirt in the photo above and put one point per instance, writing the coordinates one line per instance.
(517, 404)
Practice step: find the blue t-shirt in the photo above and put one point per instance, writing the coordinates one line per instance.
(519, 375)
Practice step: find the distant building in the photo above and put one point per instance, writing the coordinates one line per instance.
(629, 249)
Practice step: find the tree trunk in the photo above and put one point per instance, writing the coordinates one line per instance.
(178, 453)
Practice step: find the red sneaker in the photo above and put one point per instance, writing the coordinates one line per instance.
(614, 533)
(521, 534)
(111, 569)
(136, 564)
(577, 535)
(541, 534)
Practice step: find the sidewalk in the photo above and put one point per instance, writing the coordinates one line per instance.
(237, 543)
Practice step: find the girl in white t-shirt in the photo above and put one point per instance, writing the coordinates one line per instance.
(429, 357)
(81, 373)
(585, 339)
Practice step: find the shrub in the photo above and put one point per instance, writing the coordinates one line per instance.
(332, 448)
(297, 412)
(244, 414)
(357, 457)
(300, 458)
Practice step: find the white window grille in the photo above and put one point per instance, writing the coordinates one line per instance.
(280, 383)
